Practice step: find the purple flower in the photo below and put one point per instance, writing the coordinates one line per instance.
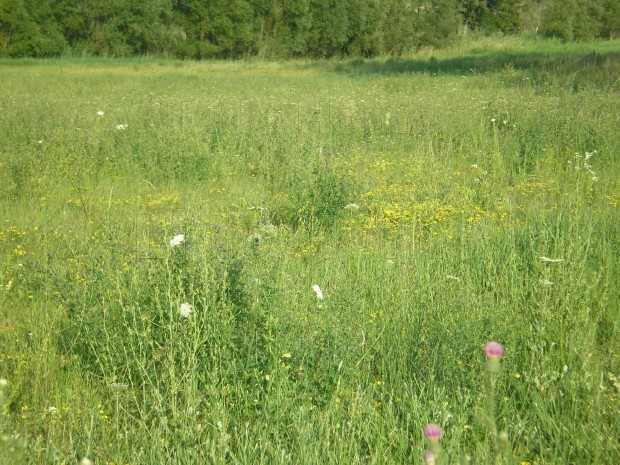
(432, 432)
(493, 350)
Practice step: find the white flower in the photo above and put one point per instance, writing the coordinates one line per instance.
(455, 278)
(186, 310)
(352, 207)
(100, 113)
(121, 126)
(3, 382)
(550, 260)
(52, 409)
(118, 386)
(86, 461)
(176, 240)
(317, 290)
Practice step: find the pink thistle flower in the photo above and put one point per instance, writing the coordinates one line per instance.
(432, 432)
(493, 350)
(429, 458)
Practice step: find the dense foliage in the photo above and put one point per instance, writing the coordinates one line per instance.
(282, 28)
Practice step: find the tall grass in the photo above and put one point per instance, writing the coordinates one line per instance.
(439, 203)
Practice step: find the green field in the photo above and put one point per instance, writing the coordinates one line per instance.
(439, 200)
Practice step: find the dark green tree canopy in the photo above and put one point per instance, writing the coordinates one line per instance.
(282, 28)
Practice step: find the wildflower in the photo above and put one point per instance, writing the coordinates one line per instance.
(3, 382)
(352, 207)
(493, 349)
(550, 260)
(100, 113)
(176, 240)
(429, 458)
(52, 409)
(317, 290)
(118, 386)
(432, 432)
(186, 310)
(455, 278)
(121, 126)
(86, 460)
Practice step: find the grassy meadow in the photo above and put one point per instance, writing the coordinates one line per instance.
(439, 201)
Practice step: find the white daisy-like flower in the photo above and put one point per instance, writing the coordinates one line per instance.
(121, 126)
(318, 292)
(176, 240)
(185, 310)
(86, 461)
(52, 409)
(550, 260)
(100, 113)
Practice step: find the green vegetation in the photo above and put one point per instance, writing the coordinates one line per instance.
(439, 200)
(276, 29)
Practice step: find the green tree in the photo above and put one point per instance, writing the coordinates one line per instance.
(578, 19)
(366, 20)
(557, 20)
(610, 19)
(492, 15)
(329, 32)
(282, 27)
(398, 26)
(215, 28)
(502, 16)
(49, 40)
(19, 33)
(438, 23)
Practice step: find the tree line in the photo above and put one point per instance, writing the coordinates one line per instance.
(283, 28)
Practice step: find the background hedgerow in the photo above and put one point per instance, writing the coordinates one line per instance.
(164, 225)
